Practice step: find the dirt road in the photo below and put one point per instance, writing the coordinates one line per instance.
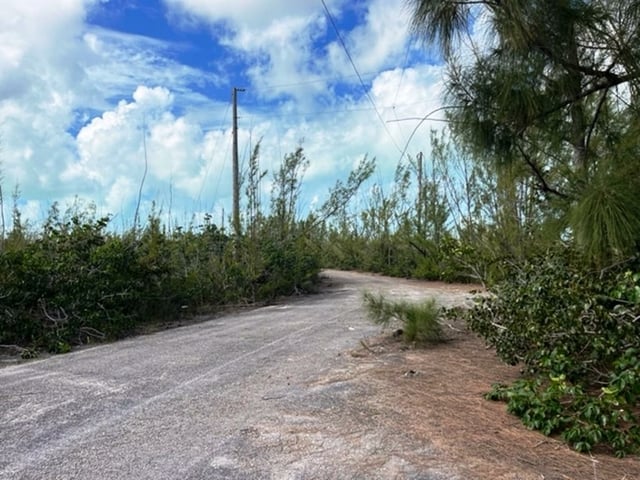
(281, 392)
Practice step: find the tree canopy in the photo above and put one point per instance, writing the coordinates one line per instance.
(553, 85)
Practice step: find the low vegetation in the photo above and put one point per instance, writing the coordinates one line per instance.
(420, 321)
(576, 332)
(75, 282)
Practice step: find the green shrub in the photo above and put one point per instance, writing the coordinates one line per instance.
(577, 335)
(421, 321)
(74, 282)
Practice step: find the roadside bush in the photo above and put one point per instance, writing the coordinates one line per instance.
(408, 255)
(290, 266)
(420, 321)
(577, 334)
(74, 282)
(450, 260)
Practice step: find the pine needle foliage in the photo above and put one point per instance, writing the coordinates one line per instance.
(606, 221)
(553, 88)
(420, 321)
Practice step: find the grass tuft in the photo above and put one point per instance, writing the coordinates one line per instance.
(421, 321)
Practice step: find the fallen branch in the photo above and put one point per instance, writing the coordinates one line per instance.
(92, 332)
(60, 318)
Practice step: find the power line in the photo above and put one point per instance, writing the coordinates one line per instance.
(404, 68)
(404, 65)
(355, 69)
(422, 120)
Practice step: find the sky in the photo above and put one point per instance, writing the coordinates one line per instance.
(103, 102)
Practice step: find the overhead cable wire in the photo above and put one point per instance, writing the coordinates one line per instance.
(404, 69)
(269, 111)
(355, 69)
(422, 120)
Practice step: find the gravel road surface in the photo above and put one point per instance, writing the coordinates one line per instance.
(267, 394)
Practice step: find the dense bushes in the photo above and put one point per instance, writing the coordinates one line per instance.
(407, 255)
(75, 282)
(577, 334)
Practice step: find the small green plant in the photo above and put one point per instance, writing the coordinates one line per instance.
(421, 321)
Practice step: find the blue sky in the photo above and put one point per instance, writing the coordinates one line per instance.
(85, 85)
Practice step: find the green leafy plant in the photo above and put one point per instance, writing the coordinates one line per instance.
(577, 335)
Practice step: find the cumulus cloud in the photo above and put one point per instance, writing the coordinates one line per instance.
(39, 31)
(120, 194)
(41, 82)
(116, 148)
(56, 73)
(250, 14)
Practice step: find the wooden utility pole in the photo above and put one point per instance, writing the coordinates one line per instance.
(236, 173)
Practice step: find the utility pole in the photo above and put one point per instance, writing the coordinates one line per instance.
(236, 173)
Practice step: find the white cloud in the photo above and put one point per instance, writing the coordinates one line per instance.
(123, 61)
(284, 58)
(251, 14)
(377, 42)
(41, 82)
(120, 194)
(54, 71)
(112, 147)
(152, 98)
(186, 167)
(409, 96)
(280, 39)
(41, 61)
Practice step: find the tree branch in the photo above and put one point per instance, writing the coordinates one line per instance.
(595, 118)
(544, 186)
